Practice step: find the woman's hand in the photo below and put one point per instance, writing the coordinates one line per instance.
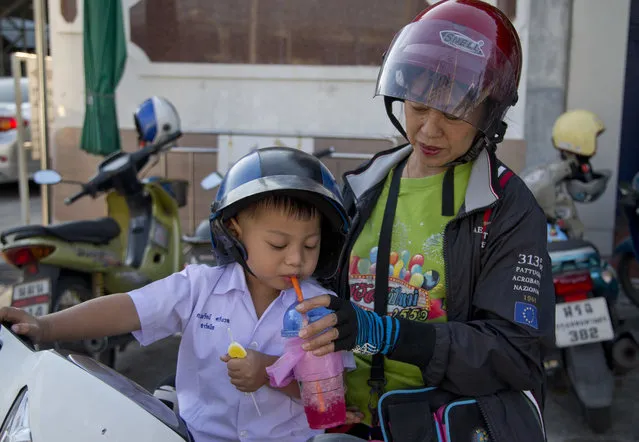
(23, 323)
(248, 374)
(334, 332)
(349, 328)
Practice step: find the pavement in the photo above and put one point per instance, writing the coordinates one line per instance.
(149, 365)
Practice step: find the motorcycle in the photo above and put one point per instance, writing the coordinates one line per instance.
(197, 247)
(587, 349)
(591, 343)
(99, 403)
(626, 250)
(65, 264)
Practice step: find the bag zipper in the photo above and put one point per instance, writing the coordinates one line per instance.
(489, 425)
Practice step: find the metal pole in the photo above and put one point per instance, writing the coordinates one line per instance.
(23, 178)
(192, 191)
(41, 53)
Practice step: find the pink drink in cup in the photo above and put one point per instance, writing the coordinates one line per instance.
(320, 377)
(322, 388)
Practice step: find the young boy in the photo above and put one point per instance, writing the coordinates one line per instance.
(278, 214)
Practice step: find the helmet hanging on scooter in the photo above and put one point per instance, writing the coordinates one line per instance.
(576, 131)
(575, 134)
(281, 171)
(156, 119)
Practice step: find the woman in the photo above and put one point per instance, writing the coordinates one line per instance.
(446, 264)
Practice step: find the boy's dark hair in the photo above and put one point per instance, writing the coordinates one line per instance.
(292, 206)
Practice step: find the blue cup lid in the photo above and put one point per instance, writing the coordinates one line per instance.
(293, 320)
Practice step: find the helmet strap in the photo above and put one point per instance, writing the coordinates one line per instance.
(237, 250)
(228, 245)
(448, 192)
(482, 141)
(388, 103)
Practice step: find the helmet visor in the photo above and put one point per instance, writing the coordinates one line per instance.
(450, 68)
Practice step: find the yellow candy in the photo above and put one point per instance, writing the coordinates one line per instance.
(236, 350)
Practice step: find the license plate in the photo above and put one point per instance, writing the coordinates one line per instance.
(33, 296)
(582, 322)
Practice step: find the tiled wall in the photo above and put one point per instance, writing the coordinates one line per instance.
(74, 164)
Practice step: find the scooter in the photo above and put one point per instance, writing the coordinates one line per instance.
(99, 403)
(590, 341)
(626, 250)
(66, 264)
(586, 352)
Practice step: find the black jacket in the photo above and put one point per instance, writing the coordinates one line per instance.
(500, 297)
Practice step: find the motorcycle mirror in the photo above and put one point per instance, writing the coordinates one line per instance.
(211, 181)
(47, 177)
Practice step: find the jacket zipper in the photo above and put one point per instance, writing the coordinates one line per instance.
(445, 246)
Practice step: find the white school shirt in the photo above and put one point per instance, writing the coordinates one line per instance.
(201, 302)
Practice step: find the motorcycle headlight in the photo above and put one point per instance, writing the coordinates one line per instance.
(15, 427)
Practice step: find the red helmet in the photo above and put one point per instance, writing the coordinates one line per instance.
(457, 56)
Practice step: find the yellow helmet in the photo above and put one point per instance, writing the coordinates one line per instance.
(576, 131)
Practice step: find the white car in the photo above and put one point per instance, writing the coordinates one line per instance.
(8, 130)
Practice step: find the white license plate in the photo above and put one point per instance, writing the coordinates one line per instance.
(33, 296)
(582, 322)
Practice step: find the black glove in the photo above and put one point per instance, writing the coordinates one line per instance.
(362, 331)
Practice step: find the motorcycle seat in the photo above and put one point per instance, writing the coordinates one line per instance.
(570, 244)
(98, 232)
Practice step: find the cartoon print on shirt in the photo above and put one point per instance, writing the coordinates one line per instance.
(417, 281)
(411, 288)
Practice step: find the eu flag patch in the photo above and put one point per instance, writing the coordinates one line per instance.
(526, 314)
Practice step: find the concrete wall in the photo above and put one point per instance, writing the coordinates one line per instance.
(318, 102)
(548, 63)
(596, 78)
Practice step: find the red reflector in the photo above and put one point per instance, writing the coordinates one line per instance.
(22, 256)
(573, 284)
(8, 123)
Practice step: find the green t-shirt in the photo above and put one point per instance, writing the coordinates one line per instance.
(416, 283)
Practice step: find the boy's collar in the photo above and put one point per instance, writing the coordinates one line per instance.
(233, 280)
(236, 281)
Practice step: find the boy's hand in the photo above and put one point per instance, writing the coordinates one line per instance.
(247, 374)
(23, 323)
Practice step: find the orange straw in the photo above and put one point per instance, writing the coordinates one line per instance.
(320, 398)
(298, 290)
(300, 298)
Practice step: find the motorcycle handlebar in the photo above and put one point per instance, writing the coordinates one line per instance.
(72, 199)
(143, 154)
(138, 158)
(324, 153)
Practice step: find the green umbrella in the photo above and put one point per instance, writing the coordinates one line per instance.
(104, 60)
